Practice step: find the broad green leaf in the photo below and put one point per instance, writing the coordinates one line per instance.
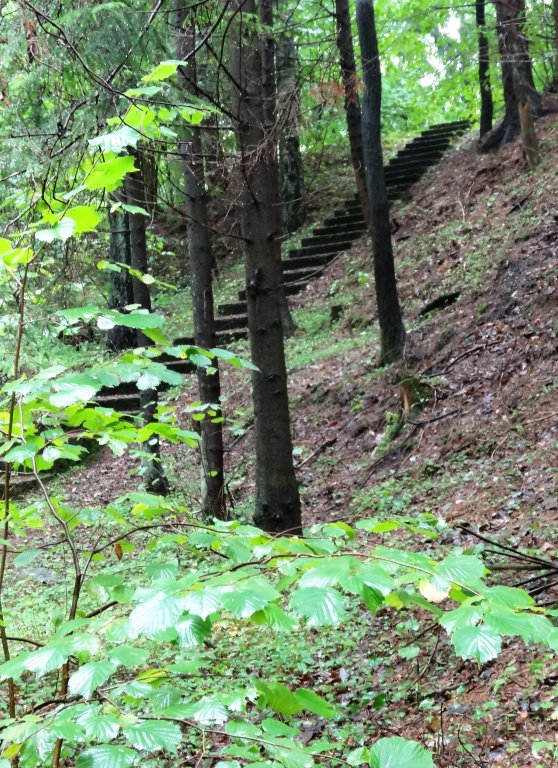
(480, 643)
(62, 230)
(292, 757)
(85, 680)
(396, 752)
(552, 640)
(528, 626)
(163, 71)
(275, 617)
(192, 630)
(464, 569)
(26, 558)
(278, 697)
(202, 602)
(320, 607)
(314, 703)
(464, 616)
(152, 735)
(118, 140)
(240, 728)
(106, 756)
(245, 601)
(508, 597)
(155, 615)
(85, 218)
(373, 575)
(129, 656)
(110, 174)
(45, 660)
(99, 725)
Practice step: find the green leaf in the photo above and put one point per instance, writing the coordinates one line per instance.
(314, 703)
(62, 230)
(101, 727)
(154, 734)
(106, 756)
(320, 607)
(275, 617)
(163, 71)
(202, 602)
(480, 643)
(117, 140)
(278, 697)
(245, 601)
(396, 752)
(89, 677)
(110, 174)
(129, 656)
(192, 630)
(155, 615)
(528, 626)
(27, 557)
(463, 569)
(45, 660)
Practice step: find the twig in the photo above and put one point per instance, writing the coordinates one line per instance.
(319, 449)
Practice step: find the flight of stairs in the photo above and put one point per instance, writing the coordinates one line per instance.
(336, 235)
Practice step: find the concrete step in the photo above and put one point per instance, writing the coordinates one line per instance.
(342, 216)
(294, 271)
(430, 156)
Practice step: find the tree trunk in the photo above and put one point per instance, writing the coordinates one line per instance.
(277, 503)
(291, 169)
(392, 330)
(517, 71)
(152, 469)
(269, 103)
(121, 289)
(555, 17)
(199, 248)
(352, 105)
(487, 104)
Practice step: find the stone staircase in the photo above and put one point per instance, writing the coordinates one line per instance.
(336, 235)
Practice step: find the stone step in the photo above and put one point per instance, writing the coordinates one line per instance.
(293, 270)
(454, 125)
(342, 216)
(428, 156)
(424, 145)
(232, 308)
(179, 365)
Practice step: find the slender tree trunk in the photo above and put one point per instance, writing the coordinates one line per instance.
(352, 105)
(199, 247)
(277, 497)
(487, 104)
(121, 289)
(152, 468)
(555, 17)
(517, 72)
(291, 169)
(269, 111)
(392, 330)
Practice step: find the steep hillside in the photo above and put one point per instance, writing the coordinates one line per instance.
(477, 457)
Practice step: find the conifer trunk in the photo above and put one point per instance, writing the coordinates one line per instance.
(199, 248)
(120, 338)
(291, 168)
(347, 65)
(486, 100)
(392, 330)
(277, 503)
(152, 469)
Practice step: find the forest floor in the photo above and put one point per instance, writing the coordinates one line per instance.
(480, 451)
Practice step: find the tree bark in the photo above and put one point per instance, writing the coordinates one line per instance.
(347, 64)
(121, 289)
(291, 168)
(199, 248)
(516, 70)
(153, 474)
(392, 330)
(269, 110)
(486, 100)
(555, 17)
(277, 503)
